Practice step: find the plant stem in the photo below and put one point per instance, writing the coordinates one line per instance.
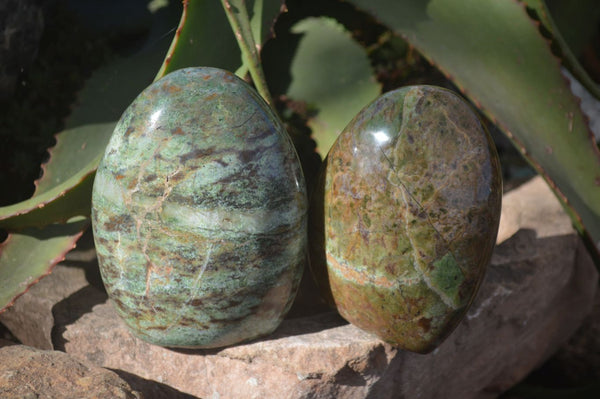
(237, 14)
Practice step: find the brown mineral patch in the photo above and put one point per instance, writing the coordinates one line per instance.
(151, 177)
(196, 302)
(178, 131)
(172, 89)
(196, 153)
(228, 77)
(116, 223)
(129, 131)
(424, 323)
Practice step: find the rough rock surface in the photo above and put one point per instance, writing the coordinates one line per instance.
(30, 318)
(538, 289)
(27, 372)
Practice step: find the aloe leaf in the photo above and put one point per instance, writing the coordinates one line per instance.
(29, 255)
(65, 187)
(576, 20)
(34, 213)
(239, 20)
(110, 90)
(102, 101)
(264, 14)
(330, 72)
(80, 146)
(499, 59)
(204, 37)
(64, 190)
(568, 37)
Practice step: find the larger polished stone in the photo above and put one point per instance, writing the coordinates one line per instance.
(199, 213)
(406, 216)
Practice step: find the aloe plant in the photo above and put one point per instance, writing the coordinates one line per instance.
(498, 57)
(505, 56)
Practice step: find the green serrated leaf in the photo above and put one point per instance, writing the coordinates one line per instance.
(332, 74)
(564, 21)
(64, 190)
(576, 20)
(102, 101)
(204, 37)
(238, 18)
(110, 90)
(27, 256)
(65, 187)
(37, 212)
(264, 14)
(494, 52)
(80, 147)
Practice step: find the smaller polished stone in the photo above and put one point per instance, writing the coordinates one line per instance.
(405, 217)
(199, 213)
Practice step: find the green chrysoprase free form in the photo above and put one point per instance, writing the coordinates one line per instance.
(199, 213)
(406, 216)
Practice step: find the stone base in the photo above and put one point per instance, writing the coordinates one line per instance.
(538, 289)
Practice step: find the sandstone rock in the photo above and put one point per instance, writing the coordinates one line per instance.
(27, 372)
(538, 289)
(534, 297)
(532, 206)
(30, 318)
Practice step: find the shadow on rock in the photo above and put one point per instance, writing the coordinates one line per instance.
(287, 329)
(70, 309)
(84, 257)
(150, 388)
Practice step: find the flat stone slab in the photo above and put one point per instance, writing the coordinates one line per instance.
(27, 372)
(539, 287)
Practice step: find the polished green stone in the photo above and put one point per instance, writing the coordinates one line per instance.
(406, 216)
(199, 213)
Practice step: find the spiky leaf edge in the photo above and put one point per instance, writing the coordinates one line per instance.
(578, 224)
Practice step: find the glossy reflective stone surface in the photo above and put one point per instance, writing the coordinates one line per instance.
(406, 217)
(199, 213)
